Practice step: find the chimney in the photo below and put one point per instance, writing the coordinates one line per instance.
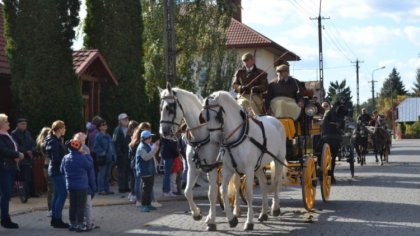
(237, 14)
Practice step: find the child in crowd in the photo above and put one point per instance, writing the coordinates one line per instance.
(145, 168)
(134, 143)
(92, 183)
(176, 172)
(76, 169)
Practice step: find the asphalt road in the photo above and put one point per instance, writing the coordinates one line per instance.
(380, 200)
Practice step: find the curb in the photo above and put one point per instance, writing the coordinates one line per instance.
(44, 208)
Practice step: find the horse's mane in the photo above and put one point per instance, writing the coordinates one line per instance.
(224, 97)
(185, 96)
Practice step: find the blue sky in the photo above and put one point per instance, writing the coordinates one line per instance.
(377, 32)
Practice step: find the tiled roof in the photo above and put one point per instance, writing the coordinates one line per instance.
(409, 110)
(83, 59)
(240, 35)
(4, 62)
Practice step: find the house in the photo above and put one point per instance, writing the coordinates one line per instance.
(408, 110)
(89, 66)
(267, 53)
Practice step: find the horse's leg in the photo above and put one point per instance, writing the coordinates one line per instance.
(276, 179)
(249, 223)
(191, 179)
(264, 189)
(212, 194)
(233, 220)
(381, 153)
(236, 181)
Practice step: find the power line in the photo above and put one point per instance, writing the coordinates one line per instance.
(337, 45)
(342, 39)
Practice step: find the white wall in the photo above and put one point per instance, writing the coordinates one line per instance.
(264, 60)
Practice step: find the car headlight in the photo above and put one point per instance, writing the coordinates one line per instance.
(310, 110)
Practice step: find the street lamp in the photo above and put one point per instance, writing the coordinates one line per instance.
(373, 87)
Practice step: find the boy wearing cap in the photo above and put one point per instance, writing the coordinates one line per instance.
(121, 141)
(145, 168)
(250, 83)
(78, 174)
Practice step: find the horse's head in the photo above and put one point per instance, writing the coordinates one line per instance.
(171, 112)
(213, 114)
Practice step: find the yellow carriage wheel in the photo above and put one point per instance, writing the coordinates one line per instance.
(309, 183)
(326, 172)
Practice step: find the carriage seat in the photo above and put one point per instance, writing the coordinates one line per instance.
(289, 127)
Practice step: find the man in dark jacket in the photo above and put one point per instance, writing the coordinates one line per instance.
(168, 152)
(284, 95)
(364, 118)
(331, 134)
(26, 145)
(121, 141)
(250, 83)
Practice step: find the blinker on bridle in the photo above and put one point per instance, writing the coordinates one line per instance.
(219, 114)
(172, 109)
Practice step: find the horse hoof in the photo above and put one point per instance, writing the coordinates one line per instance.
(276, 212)
(263, 217)
(198, 217)
(249, 226)
(211, 227)
(234, 222)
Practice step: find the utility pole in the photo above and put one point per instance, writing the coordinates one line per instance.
(373, 87)
(170, 57)
(357, 86)
(321, 59)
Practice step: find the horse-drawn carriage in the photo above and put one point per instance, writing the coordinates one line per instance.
(307, 159)
(245, 145)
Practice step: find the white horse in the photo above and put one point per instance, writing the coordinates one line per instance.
(177, 104)
(248, 144)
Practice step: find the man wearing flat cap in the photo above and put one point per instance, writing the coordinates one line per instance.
(26, 145)
(284, 95)
(250, 82)
(121, 140)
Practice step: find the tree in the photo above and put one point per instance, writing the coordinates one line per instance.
(340, 92)
(39, 36)
(416, 87)
(201, 53)
(116, 29)
(393, 85)
(200, 44)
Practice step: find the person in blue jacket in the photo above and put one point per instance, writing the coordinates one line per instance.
(78, 173)
(105, 157)
(55, 150)
(145, 168)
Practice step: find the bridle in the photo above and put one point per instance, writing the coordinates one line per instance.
(243, 128)
(219, 114)
(172, 108)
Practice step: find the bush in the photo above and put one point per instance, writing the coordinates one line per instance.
(416, 129)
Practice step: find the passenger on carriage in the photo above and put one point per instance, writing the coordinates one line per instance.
(325, 107)
(363, 118)
(250, 83)
(373, 119)
(319, 109)
(284, 95)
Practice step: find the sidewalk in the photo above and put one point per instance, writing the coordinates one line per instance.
(40, 204)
